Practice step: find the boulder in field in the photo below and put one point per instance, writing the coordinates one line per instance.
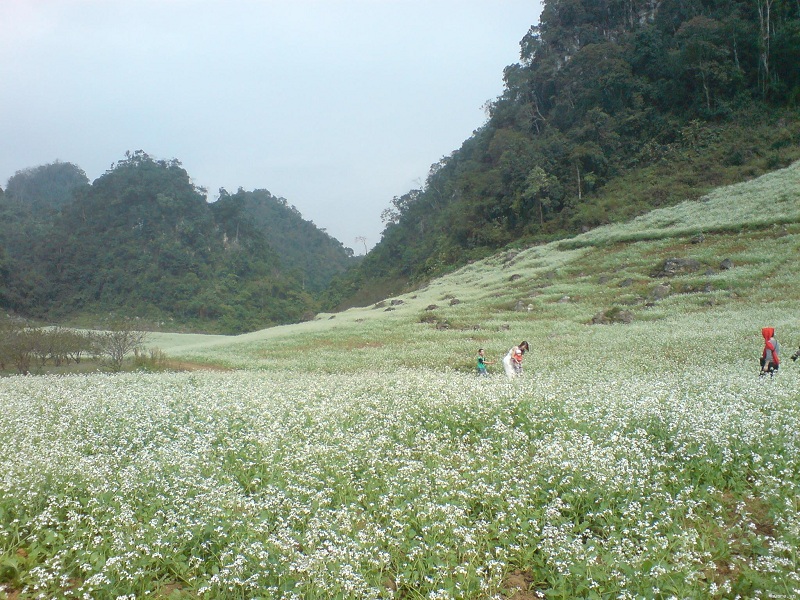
(677, 266)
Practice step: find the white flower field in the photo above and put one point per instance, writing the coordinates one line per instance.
(358, 456)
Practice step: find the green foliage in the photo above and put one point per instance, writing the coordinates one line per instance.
(151, 360)
(143, 239)
(45, 188)
(302, 249)
(28, 209)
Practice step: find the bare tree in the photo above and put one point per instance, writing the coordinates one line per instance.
(22, 343)
(120, 340)
(764, 21)
(18, 344)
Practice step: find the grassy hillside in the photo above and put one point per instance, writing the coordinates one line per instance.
(561, 286)
(358, 455)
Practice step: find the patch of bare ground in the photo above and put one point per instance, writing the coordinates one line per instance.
(736, 531)
(760, 517)
(173, 590)
(520, 584)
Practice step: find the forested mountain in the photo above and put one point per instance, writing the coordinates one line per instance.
(615, 107)
(45, 189)
(306, 252)
(142, 240)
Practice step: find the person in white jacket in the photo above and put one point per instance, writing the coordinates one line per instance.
(512, 361)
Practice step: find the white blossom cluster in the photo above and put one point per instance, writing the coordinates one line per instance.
(404, 483)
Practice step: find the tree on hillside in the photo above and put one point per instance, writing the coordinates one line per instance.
(704, 58)
(541, 190)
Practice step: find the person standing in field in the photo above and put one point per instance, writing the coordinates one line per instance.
(482, 362)
(512, 361)
(770, 359)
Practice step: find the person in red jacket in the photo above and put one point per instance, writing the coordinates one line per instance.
(770, 359)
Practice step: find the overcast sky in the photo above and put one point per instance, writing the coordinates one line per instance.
(335, 105)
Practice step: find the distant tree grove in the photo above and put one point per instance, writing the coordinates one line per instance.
(26, 348)
(142, 240)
